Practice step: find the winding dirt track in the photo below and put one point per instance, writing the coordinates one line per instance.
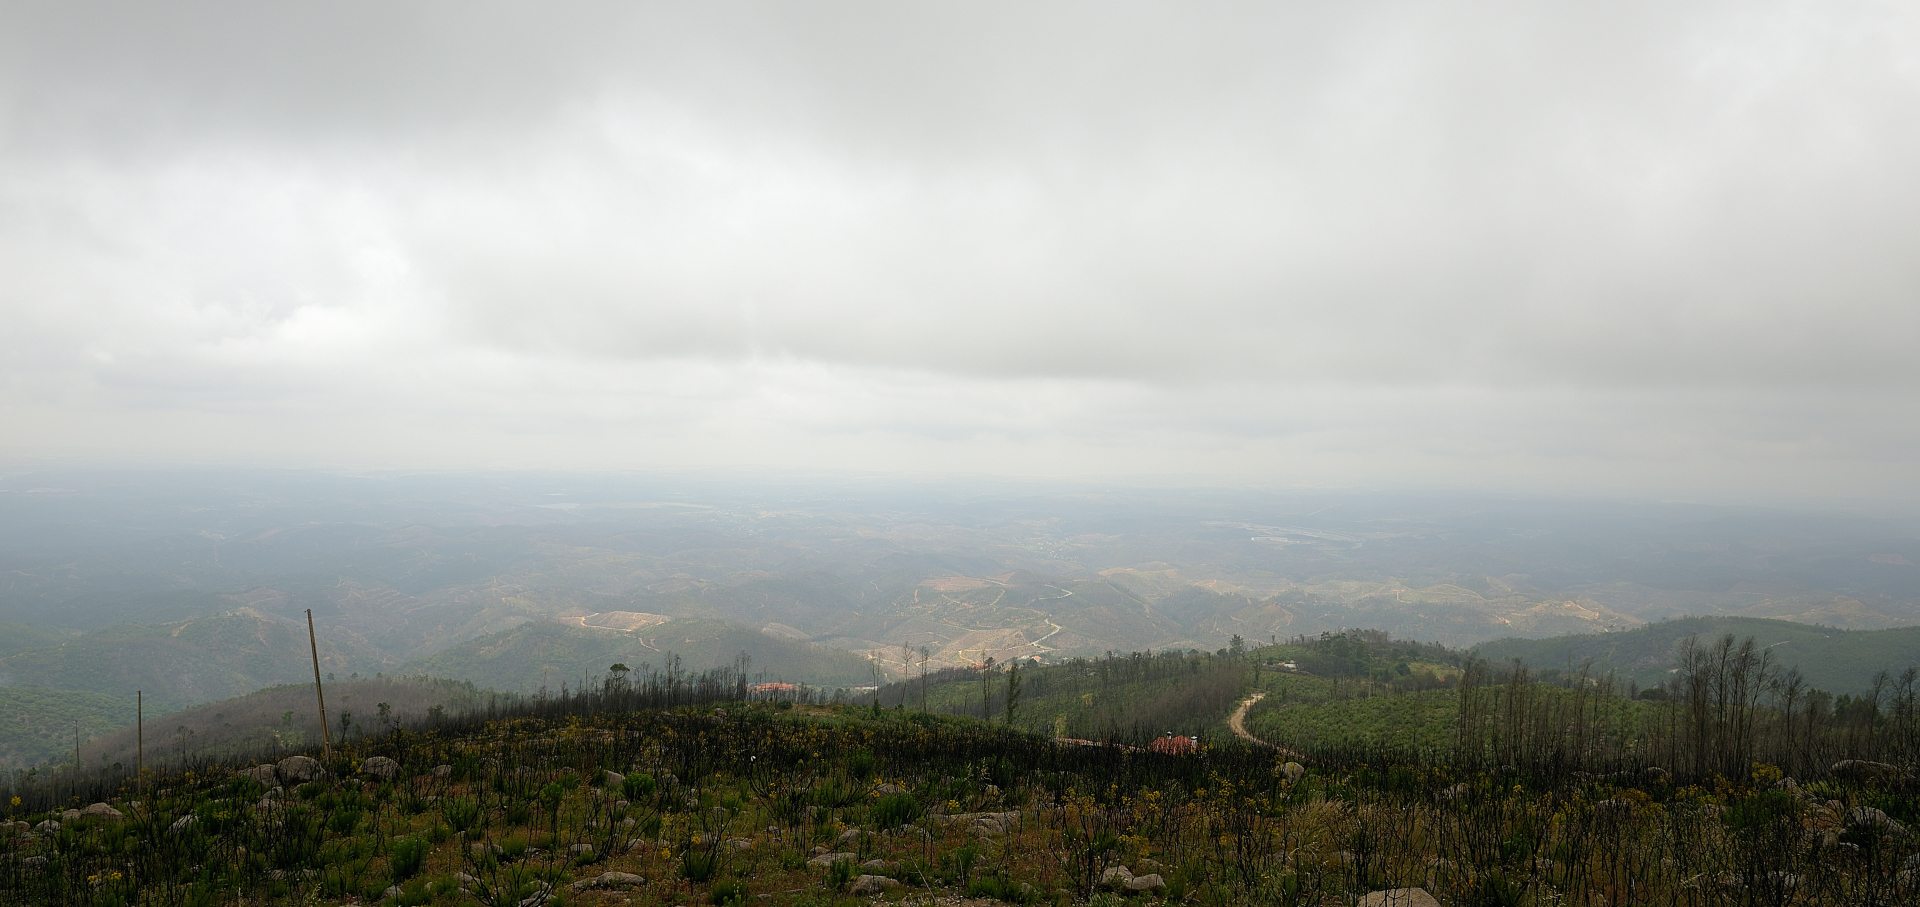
(1238, 723)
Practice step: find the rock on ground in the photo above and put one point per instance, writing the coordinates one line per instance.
(264, 774)
(1149, 882)
(1400, 897)
(609, 880)
(298, 769)
(1860, 815)
(828, 859)
(103, 811)
(869, 884)
(380, 767)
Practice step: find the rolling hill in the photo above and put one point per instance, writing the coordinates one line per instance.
(550, 653)
(1839, 661)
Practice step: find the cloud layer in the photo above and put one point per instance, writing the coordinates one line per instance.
(1635, 247)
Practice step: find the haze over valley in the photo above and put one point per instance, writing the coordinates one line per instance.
(194, 585)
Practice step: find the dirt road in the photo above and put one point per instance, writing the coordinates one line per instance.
(1238, 723)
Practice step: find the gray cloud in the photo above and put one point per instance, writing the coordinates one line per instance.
(1238, 242)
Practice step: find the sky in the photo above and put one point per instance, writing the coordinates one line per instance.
(1630, 248)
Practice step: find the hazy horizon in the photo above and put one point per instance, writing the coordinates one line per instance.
(1637, 251)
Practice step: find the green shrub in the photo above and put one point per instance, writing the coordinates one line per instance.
(407, 856)
(728, 893)
(638, 786)
(697, 866)
(895, 810)
(461, 813)
(1001, 888)
(841, 873)
(344, 820)
(862, 764)
(415, 893)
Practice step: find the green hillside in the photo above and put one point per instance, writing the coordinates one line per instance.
(1839, 661)
(550, 653)
(283, 718)
(1310, 712)
(92, 679)
(185, 664)
(1125, 697)
(37, 725)
(19, 637)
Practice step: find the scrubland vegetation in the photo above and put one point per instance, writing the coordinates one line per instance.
(1729, 786)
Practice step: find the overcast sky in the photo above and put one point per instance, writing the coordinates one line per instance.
(1664, 249)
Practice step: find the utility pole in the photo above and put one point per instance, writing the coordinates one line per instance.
(326, 735)
(140, 742)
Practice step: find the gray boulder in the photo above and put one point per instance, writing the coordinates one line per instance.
(609, 880)
(871, 885)
(1400, 897)
(380, 767)
(181, 824)
(1116, 877)
(1863, 769)
(1874, 818)
(1149, 883)
(102, 811)
(1293, 772)
(263, 774)
(443, 771)
(615, 779)
(828, 859)
(298, 769)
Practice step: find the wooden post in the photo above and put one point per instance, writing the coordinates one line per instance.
(139, 741)
(326, 735)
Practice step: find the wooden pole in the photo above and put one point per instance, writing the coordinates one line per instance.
(140, 741)
(326, 736)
